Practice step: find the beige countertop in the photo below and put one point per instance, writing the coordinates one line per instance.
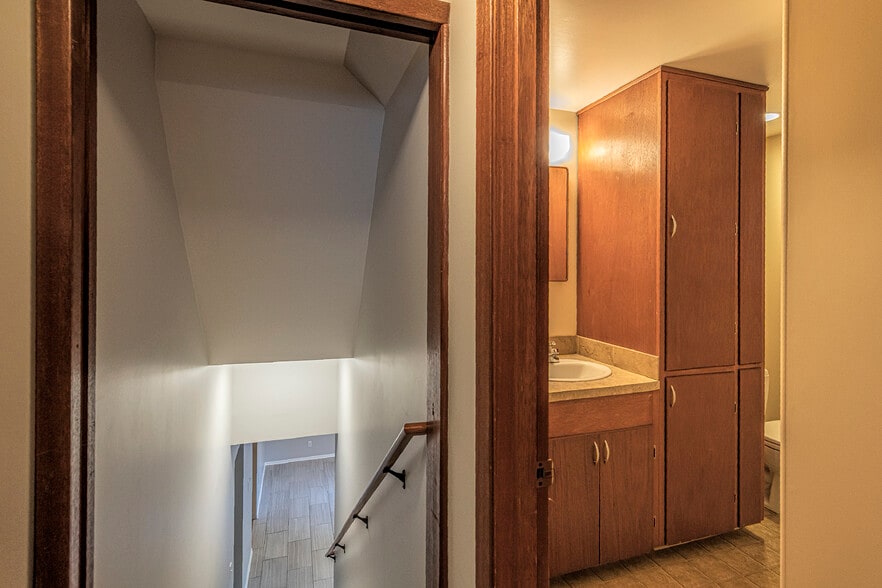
(618, 382)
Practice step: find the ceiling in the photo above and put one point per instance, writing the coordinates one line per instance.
(230, 26)
(273, 127)
(597, 46)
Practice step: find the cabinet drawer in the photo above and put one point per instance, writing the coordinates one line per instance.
(607, 413)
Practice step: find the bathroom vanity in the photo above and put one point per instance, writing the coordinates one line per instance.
(603, 441)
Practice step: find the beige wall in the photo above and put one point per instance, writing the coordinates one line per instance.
(562, 295)
(384, 386)
(773, 267)
(833, 287)
(164, 475)
(283, 400)
(461, 374)
(16, 261)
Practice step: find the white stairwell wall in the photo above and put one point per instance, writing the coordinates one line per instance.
(384, 385)
(164, 477)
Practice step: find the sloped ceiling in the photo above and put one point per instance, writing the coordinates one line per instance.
(199, 20)
(273, 143)
(597, 46)
(274, 163)
(378, 62)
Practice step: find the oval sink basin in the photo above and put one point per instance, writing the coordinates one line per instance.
(577, 370)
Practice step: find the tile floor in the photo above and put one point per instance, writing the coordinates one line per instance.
(294, 527)
(746, 557)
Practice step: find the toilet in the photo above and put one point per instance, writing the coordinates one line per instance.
(772, 458)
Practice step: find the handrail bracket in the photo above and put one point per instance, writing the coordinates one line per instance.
(363, 519)
(402, 475)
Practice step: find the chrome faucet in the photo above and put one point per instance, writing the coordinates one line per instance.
(553, 353)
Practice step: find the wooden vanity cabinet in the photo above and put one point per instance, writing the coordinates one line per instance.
(600, 506)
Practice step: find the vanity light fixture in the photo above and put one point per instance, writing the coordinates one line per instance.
(558, 146)
(770, 116)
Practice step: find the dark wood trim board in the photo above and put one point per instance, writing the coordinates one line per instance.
(512, 292)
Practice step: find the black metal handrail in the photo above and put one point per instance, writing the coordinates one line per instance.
(408, 432)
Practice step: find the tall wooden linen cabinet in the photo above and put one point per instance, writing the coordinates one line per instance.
(671, 225)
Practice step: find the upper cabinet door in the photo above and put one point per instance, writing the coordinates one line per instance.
(751, 234)
(702, 207)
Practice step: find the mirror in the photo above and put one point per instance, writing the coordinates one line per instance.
(558, 177)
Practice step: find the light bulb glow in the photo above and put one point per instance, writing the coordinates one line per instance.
(558, 146)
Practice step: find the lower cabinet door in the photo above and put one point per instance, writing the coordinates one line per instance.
(751, 477)
(625, 494)
(574, 502)
(701, 478)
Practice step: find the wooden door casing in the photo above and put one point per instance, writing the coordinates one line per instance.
(702, 206)
(626, 494)
(702, 456)
(574, 504)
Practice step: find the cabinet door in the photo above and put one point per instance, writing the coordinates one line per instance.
(701, 286)
(573, 505)
(751, 441)
(626, 494)
(751, 233)
(701, 456)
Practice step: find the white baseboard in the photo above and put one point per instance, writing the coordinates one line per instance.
(310, 458)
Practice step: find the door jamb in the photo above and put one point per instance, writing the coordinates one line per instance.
(512, 292)
(65, 249)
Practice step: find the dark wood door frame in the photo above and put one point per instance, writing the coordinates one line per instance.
(65, 244)
(512, 292)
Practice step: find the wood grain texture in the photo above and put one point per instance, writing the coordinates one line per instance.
(658, 478)
(751, 234)
(415, 20)
(437, 316)
(702, 456)
(558, 229)
(751, 440)
(702, 205)
(574, 505)
(64, 293)
(626, 494)
(591, 415)
(511, 305)
(618, 233)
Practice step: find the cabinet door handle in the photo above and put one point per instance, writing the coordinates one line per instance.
(596, 453)
(673, 395)
(673, 222)
(605, 451)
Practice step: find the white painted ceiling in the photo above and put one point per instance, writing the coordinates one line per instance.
(230, 26)
(597, 46)
(273, 144)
